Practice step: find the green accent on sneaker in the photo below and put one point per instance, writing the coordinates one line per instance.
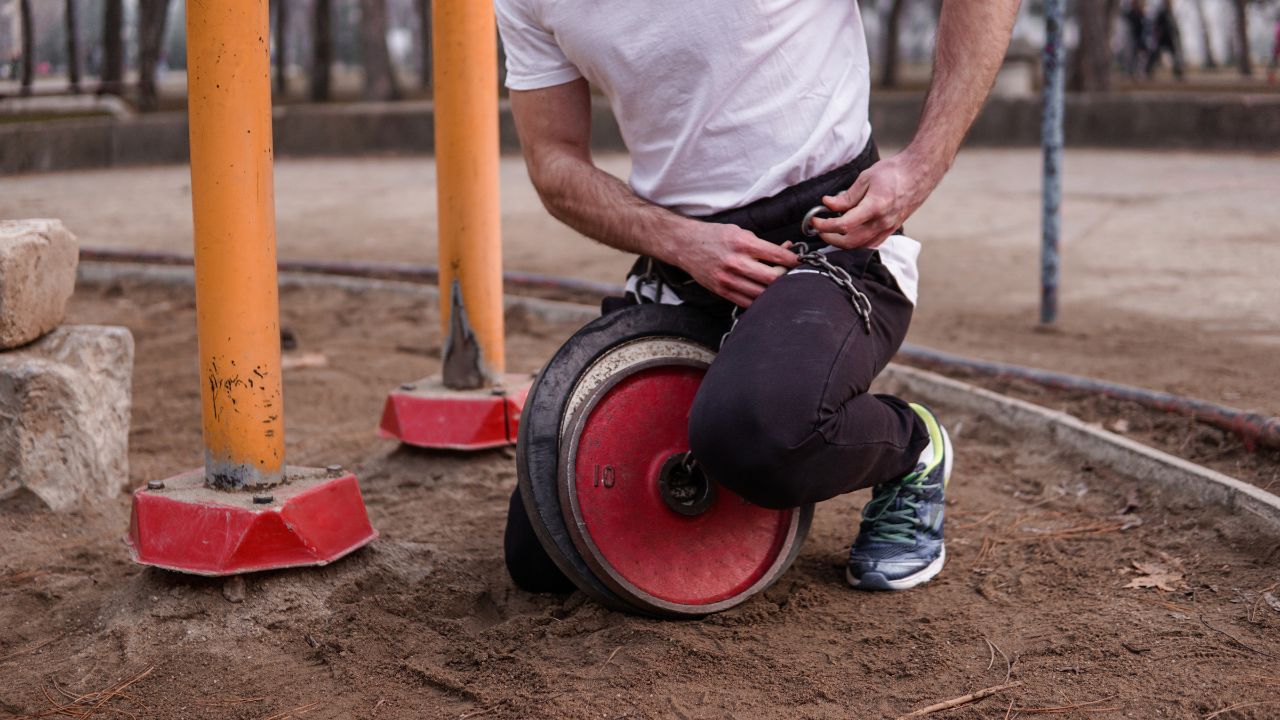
(892, 515)
(935, 438)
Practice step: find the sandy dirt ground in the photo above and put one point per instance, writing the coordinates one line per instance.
(1170, 262)
(425, 624)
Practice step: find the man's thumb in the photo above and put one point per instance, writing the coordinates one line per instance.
(840, 202)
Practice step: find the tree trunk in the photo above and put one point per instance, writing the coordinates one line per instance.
(73, 47)
(1210, 62)
(1091, 64)
(321, 51)
(379, 75)
(152, 16)
(282, 47)
(424, 44)
(889, 61)
(1242, 38)
(112, 76)
(28, 46)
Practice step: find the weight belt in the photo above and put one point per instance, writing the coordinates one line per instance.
(776, 219)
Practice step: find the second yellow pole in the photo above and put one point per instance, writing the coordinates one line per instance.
(464, 42)
(237, 305)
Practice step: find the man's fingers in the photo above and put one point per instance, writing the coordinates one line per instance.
(847, 223)
(738, 299)
(767, 251)
(743, 286)
(870, 234)
(845, 201)
(759, 272)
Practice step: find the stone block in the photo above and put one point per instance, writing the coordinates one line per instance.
(37, 276)
(64, 417)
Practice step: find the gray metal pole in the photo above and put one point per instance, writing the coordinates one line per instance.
(1051, 141)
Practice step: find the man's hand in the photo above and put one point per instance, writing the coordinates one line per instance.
(731, 262)
(555, 129)
(970, 43)
(879, 202)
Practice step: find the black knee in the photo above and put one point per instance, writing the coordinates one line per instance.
(742, 446)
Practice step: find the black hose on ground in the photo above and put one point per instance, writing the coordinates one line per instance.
(1254, 429)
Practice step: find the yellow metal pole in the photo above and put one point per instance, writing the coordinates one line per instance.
(464, 42)
(237, 306)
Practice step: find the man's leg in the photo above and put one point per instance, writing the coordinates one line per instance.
(783, 416)
(529, 565)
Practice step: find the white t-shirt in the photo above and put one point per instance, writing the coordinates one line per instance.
(720, 102)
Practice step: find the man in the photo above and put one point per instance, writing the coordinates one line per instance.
(1165, 38)
(742, 119)
(1139, 51)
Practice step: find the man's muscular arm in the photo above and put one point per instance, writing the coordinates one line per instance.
(554, 125)
(971, 42)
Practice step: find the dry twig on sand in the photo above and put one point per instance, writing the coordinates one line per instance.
(1084, 707)
(1166, 605)
(962, 700)
(28, 649)
(1008, 666)
(90, 704)
(1233, 638)
(283, 715)
(1239, 706)
(231, 700)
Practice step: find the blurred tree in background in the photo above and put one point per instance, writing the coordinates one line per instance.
(28, 45)
(423, 8)
(1090, 68)
(72, 31)
(280, 20)
(1210, 62)
(111, 74)
(152, 18)
(379, 75)
(321, 51)
(1244, 58)
(892, 37)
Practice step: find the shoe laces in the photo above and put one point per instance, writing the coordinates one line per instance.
(892, 515)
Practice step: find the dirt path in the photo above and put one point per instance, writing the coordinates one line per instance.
(425, 624)
(1169, 259)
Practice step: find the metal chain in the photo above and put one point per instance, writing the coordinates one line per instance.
(733, 323)
(841, 277)
(650, 276)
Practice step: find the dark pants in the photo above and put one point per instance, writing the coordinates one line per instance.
(783, 417)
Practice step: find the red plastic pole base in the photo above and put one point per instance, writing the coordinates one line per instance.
(314, 518)
(428, 414)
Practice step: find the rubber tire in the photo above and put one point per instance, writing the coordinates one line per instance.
(538, 442)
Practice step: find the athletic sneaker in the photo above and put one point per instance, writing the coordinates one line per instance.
(900, 543)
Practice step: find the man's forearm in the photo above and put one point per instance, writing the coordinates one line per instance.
(971, 42)
(972, 38)
(604, 208)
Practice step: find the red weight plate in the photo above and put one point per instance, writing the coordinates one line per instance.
(709, 561)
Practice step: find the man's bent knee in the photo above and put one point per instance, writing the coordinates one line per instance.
(742, 450)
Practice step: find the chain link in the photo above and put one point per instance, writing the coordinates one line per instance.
(811, 258)
(841, 277)
(821, 265)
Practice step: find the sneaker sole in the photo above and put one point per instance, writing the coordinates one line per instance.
(876, 581)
